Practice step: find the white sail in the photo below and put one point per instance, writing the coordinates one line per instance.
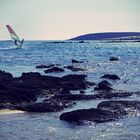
(14, 36)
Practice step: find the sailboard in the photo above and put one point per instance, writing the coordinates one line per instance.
(14, 36)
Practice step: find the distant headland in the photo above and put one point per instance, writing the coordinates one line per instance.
(109, 36)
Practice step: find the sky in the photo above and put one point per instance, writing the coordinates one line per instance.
(64, 19)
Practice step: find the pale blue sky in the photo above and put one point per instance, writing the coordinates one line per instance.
(63, 19)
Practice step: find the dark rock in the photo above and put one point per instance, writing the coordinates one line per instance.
(75, 82)
(103, 95)
(72, 68)
(111, 95)
(14, 96)
(2, 106)
(41, 66)
(93, 114)
(112, 77)
(82, 91)
(74, 97)
(8, 106)
(47, 66)
(113, 59)
(4, 76)
(54, 69)
(40, 107)
(121, 108)
(34, 80)
(68, 82)
(119, 105)
(76, 61)
(30, 75)
(104, 85)
(28, 87)
(105, 111)
(73, 77)
(64, 91)
(48, 106)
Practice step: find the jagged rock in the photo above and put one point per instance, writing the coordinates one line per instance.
(68, 82)
(30, 75)
(54, 69)
(111, 76)
(104, 85)
(75, 82)
(5, 76)
(34, 80)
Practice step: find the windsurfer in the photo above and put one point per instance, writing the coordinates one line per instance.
(14, 36)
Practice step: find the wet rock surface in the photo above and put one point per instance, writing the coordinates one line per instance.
(27, 88)
(54, 69)
(103, 85)
(75, 82)
(93, 114)
(112, 77)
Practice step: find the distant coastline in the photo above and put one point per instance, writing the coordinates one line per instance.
(112, 36)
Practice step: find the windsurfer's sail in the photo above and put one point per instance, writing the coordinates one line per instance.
(15, 37)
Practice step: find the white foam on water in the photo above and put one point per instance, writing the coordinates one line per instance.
(8, 111)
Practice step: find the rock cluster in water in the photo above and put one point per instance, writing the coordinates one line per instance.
(22, 93)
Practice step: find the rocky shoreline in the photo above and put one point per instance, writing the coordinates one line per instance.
(21, 93)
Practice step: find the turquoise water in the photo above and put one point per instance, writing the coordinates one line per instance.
(95, 54)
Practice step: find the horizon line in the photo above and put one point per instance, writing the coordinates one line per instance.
(75, 36)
